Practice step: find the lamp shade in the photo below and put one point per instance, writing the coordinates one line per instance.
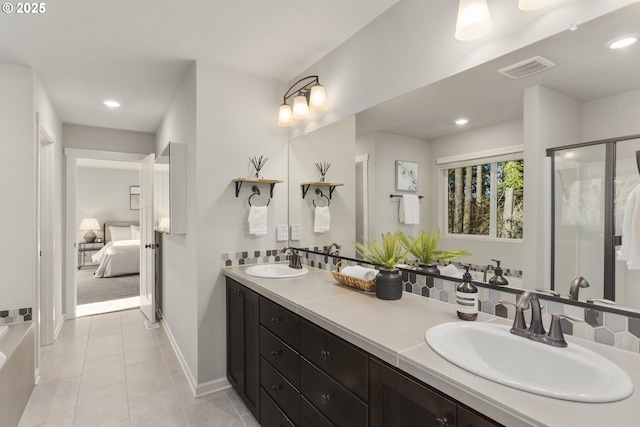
(533, 4)
(284, 115)
(474, 20)
(89, 224)
(317, 98)
(300, 107)
(164, 223)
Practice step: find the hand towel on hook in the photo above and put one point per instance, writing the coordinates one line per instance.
(258, 220)
(322, 220)
(409, 209)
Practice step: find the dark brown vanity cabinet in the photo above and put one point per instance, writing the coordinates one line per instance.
(396, 399)
(243, 345)
(291, 372)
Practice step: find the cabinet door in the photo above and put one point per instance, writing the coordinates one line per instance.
(243, 348)
(397, 400)
(468, 418)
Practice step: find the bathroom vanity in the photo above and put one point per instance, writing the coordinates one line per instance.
(306, 351)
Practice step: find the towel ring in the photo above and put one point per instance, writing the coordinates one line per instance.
(321, 195)
(256, 192)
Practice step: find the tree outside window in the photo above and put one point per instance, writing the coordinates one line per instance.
(486, 199)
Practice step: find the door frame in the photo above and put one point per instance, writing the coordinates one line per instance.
(71, 183)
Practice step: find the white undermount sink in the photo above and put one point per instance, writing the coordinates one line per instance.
(275, 271)
(491, 351)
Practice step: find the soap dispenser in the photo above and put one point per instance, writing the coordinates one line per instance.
(498, 278)
(467, 297)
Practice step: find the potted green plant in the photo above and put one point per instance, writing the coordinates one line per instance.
(385, 254)
(424, 247)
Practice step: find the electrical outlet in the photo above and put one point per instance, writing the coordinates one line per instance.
(282, 234)
(296, 232)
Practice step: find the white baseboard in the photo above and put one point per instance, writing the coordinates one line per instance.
(197, 389)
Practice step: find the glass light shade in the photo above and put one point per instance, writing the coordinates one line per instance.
(284, 115)
(473, 21)
(89, 224)
(300, 107)
(317, 98)
(533, 4)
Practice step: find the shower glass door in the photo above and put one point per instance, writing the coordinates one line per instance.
(579, 218)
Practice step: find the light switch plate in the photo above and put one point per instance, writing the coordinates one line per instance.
(282, 233)
(296, 232)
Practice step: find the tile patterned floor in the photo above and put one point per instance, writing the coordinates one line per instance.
(108, 370)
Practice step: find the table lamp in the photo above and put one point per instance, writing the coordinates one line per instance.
(89, 224)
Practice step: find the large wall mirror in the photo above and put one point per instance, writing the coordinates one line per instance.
(600, 87)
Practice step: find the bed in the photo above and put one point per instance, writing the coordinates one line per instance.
(121, 253)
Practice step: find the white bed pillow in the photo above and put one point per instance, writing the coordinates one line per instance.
(135, 232)
(120, 233)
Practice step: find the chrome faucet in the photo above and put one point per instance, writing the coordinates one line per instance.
(577, 283)
(536, 331)
(335, 252)
(294, 261)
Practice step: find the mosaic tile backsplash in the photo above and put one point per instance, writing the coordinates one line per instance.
(613, 329)
(16, 315)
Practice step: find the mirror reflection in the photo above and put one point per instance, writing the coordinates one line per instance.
(588, 93)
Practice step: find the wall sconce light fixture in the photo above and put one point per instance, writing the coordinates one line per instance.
(309, 97)
(473, 21)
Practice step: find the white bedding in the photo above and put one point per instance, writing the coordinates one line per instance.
(118, 258)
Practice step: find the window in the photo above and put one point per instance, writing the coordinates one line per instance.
(484, 197)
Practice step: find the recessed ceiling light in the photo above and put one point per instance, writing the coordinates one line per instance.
(461, 122)
(111, 103)
(621, 42)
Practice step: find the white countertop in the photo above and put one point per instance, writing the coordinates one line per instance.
(394, 332)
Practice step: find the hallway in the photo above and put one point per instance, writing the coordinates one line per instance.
(108, 370)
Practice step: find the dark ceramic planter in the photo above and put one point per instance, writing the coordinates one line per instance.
(428, 269)
(389, 284)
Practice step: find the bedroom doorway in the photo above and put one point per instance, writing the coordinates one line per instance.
(107, 293)
(108, 218)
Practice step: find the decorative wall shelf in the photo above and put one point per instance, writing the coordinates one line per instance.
(332, 186)
(272, 182)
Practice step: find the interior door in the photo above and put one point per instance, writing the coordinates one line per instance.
(147, 244)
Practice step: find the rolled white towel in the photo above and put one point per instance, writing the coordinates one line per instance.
(449, 270)
(359, 272)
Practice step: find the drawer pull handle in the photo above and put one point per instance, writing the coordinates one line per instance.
(275, 353)
(276, 387)
(325, 398)
(441, 422)
(275, 319)
(325, 354)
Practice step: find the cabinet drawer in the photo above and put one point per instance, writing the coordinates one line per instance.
(345, 363)
(281, 356)
(270, 414)
(283, 323)
(340, 406)
(310, 416)
(280, 390)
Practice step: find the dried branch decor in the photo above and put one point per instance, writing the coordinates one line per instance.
(258, 163)
(322, 169)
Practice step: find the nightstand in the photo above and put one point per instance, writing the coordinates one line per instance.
(85, 249)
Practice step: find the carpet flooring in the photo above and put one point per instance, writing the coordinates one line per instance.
(107, 288)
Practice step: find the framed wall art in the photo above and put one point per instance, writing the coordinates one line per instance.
(406, 176)
(134, 197)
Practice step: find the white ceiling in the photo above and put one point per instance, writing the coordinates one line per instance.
(585, 70)
(86, 51)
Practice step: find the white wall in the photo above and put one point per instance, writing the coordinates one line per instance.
(105, 139)
(413, 44)
(611, 117)
(104, 194)
(550, 120)
(179, 252)
(229, 131)
(18, 188)
(334, 144)
(384, 149)
(475, 141)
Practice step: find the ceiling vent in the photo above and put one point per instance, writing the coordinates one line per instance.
(527, 68)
